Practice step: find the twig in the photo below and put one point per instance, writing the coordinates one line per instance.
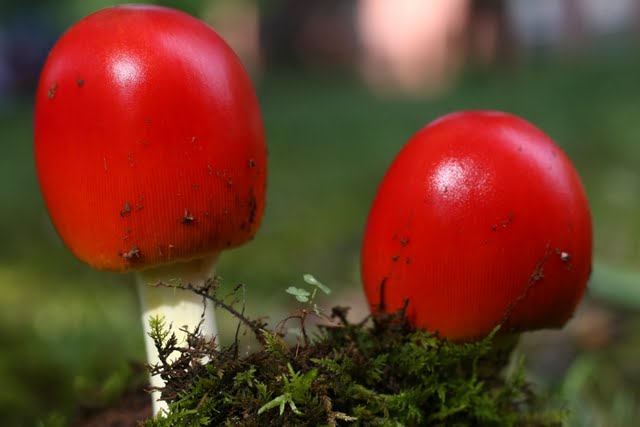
(244, 304)
(206, 292)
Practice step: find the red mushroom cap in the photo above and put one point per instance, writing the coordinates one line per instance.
(149, 143)
(480, 221)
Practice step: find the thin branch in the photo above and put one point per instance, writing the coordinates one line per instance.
(206, 292)
(382, 305)
(244, 304)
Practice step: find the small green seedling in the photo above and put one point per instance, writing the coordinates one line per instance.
(305, 296)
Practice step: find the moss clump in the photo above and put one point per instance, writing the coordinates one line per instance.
(380, 372)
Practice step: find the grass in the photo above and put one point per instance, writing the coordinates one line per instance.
(330, 141)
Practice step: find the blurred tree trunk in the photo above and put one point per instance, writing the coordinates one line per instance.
(311, 32)
(636, 18)
(576, 31)
(489, 35)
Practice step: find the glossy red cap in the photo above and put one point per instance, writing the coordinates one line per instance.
(149, 143)
(480, 221)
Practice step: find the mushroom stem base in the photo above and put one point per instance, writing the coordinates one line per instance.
(178, 307)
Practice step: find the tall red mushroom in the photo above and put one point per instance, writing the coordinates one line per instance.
(480, 221)
(150, 151)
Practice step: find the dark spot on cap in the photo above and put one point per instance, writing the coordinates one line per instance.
(407, 260)
(395, 258)
(253, 206)
(126, 209)
(383, 286)
(80, 82)
(131, 254)
(252, 163)
(404, 242)
(505, 223)
(52, 90)
(187, 218)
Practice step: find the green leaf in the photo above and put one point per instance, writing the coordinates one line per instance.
(274, 344)
(314, 282)
(344, 417)
(263, 391)
(158, 330)
(245, 378)
(294, 408)
(301, 295)
(278, 401)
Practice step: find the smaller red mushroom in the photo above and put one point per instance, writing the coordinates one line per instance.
(480, 221)
(150, 153)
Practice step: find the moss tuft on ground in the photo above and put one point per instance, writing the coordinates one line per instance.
(379, 372)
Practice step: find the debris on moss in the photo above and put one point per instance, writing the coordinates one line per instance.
(379, 372)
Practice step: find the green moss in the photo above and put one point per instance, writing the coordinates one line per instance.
(380, 372)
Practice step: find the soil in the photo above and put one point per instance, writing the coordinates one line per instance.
(128, 411)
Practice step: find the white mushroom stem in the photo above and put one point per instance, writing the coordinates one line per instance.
(178, 307)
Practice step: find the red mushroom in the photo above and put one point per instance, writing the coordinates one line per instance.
(150, 151)
(480, 221)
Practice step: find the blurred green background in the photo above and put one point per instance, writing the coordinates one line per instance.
(67, 333)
